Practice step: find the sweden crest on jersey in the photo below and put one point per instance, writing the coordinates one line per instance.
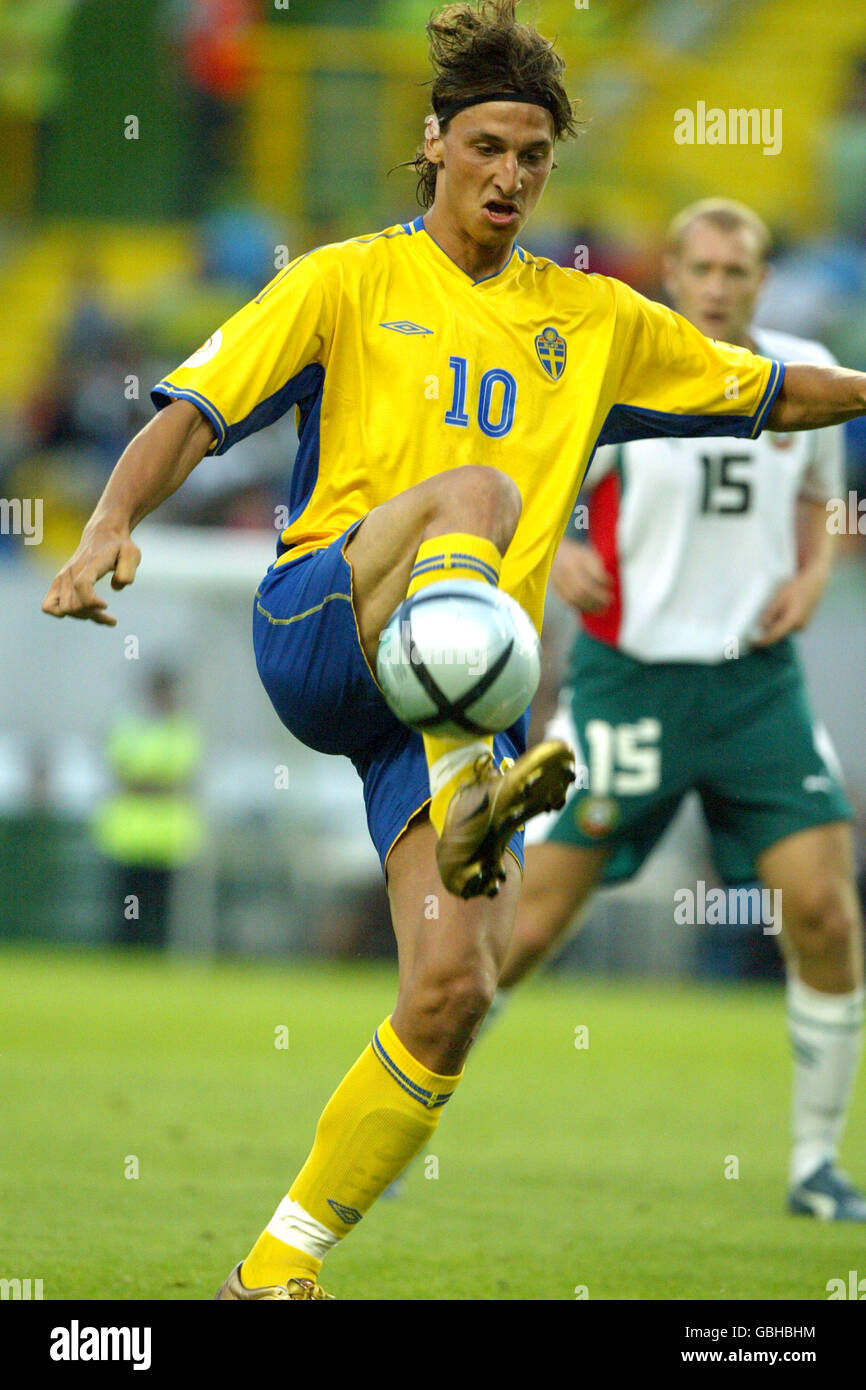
(551, 349)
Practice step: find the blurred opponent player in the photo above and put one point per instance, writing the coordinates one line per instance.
(704, 557)
(451, 389)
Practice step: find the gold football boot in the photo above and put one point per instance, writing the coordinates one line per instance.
(483, 815)
(297, 1289)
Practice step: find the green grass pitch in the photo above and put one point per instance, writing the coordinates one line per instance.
(557, 1167)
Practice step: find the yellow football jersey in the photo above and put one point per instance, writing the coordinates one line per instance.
(401, 366)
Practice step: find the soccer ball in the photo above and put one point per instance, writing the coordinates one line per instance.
(459, 657)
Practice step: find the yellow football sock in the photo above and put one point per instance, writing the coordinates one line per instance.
(271, 1261)
(455, 556)
(378, 1118)
(458, 555)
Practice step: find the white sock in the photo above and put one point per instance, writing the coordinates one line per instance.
(294, 1226)
(445, 769)
(825, 1034)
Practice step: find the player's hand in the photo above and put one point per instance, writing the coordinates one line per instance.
(103, 549)
(580, 578)
(790, 608)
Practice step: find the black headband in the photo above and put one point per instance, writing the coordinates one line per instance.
(448, 109)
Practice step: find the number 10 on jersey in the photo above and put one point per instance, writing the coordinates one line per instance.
(495, 408)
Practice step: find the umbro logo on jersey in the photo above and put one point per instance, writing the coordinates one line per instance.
(406, 326)
(551, 349)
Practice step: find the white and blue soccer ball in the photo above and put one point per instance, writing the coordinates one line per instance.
(459, 657)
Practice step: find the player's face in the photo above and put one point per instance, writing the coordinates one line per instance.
(715, 280)
(496, 158)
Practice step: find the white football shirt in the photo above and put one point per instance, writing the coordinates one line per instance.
(699, 533)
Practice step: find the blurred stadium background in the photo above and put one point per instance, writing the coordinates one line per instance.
(159, 161)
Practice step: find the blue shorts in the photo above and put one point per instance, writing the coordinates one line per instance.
(310, 659)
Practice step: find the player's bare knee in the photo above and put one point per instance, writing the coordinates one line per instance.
(827, 916)
(485, 497)
(451, 1009)
(468, 997)
(494, 491)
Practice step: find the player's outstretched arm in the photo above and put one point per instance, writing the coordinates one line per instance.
(150, 469)
(812, 396)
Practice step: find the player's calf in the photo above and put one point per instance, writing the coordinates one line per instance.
(450, 956)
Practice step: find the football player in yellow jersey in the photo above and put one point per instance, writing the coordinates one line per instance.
(450, 391)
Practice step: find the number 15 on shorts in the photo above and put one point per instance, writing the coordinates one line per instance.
(624, 759)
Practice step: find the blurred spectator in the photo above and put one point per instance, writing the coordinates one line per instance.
(152, 826)
(65, 438)
(213, 40)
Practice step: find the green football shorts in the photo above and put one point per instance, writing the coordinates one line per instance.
(739, 733)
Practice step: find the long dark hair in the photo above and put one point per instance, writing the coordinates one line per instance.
(481, 48)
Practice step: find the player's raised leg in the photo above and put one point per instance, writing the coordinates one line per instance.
(456, 525)
(814, 869)
(389, 1102)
